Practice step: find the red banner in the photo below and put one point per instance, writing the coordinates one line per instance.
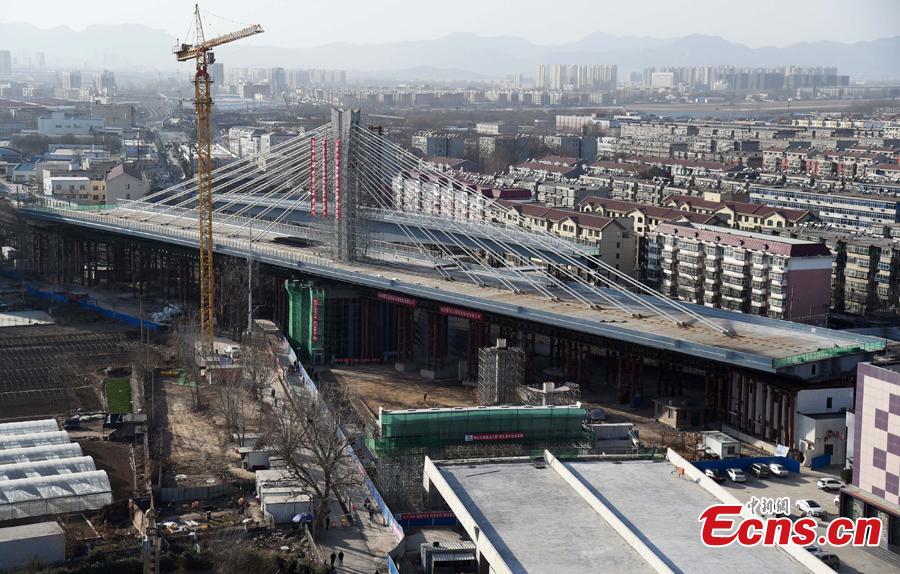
(337, 179)
(425, 515)
(313, 190)
(315, 319)
(462, 313)
(493, 436)
(398, 299)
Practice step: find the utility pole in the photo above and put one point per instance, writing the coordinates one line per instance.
(250, 280)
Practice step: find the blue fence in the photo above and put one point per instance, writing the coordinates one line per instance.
(820, 461)
(90, 305)
(392, 568)
(742, 463)
(427, 519)
(386, 513)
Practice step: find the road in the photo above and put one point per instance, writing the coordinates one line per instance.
(802, 485)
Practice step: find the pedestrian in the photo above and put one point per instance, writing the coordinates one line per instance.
(341, 558)
(371, 514)
(367, 503)
(273, 393)
(333, 558)
(425, 398)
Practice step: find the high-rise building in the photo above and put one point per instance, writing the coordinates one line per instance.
(541, 76)
(105, 83)
(5, 63)
(217, 75)
(277, 80)
(71, 80)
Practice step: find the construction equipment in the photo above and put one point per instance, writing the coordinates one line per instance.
(202, 53)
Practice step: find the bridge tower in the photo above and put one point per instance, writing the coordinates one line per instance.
(345, 185)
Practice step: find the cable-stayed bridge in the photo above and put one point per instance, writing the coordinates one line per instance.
(343, 202)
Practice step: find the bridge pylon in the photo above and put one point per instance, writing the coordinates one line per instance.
(345, 185)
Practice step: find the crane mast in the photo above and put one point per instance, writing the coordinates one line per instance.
(202, 53)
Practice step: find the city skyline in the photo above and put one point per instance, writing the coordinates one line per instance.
(398, 20)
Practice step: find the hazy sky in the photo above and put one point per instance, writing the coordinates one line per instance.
(305, 22)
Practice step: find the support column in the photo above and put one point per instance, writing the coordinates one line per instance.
(752, 392)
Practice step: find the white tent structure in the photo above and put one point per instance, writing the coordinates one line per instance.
(42, 473)
(36, 453)
(33, 439)
(44, 495)
(28, 427)
(53, 467)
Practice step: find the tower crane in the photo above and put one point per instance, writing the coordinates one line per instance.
(204, 56)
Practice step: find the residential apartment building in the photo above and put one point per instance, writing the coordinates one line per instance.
(438, 144)
(742, 215)
(614, 238)
(865, 274)
(123, 182)
(779, 277)
(77, 189)
(843, 210)
(875, 431)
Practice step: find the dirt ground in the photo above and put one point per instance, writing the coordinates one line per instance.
(383, 386)
(195, 443)
(115, 459)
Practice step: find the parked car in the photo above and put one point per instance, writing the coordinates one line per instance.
(829, 559)
(830, 484)
(809, 507)
(736, 475)
(778, 469)
(715, 474)
(760, 470)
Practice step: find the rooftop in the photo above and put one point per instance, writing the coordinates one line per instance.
(550, 518)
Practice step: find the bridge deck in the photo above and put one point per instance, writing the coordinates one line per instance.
(760, 343)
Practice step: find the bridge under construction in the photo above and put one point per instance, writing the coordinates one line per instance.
(368, 254)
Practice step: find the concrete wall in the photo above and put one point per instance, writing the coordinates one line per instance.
(816, 400)
(44, 543)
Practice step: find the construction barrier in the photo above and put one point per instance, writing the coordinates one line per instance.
(820, 461)
(392, 568)
(427, 519)
(89, 305)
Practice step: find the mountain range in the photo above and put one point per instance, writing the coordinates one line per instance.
(456, 56)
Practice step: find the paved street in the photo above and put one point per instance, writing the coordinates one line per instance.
(365, 543)
(802, 486)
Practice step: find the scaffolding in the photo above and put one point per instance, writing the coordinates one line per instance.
(548, 393)
(501, 371)
(439, 428)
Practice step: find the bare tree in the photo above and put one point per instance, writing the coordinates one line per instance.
(188, 351)
(317, 453)
(232, 395)
(257, 361)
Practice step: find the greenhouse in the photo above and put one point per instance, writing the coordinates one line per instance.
(37, 453)
(52, 467)
(28, 427)
(42, 473)
(44, 495)
(33, 439)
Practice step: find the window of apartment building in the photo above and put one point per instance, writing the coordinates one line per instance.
(828, 403)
